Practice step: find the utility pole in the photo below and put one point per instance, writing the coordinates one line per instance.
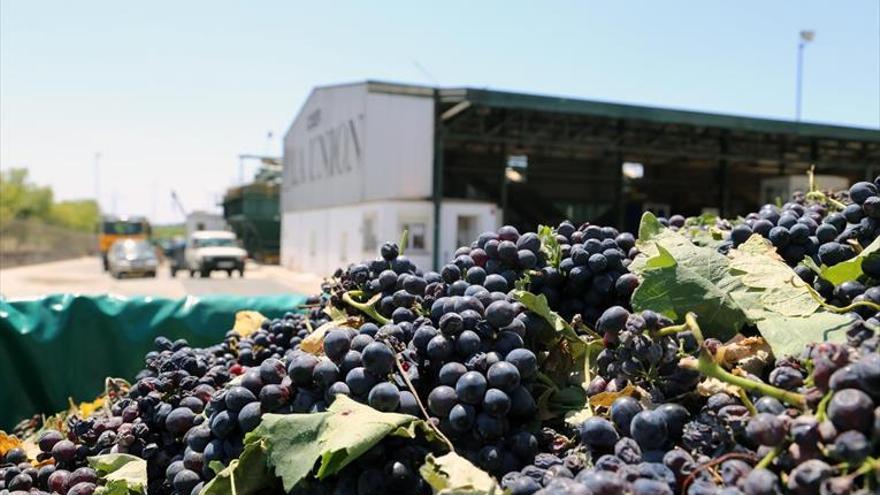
(98, 180)
(805, 37)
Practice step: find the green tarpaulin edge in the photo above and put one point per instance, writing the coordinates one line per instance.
(65, 345)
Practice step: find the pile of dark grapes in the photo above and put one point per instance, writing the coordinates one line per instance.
(717, 445)
(806, 228)
(457, 348)
(588, 275)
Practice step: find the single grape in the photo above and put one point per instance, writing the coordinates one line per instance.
(496, 402)
(623, 409)
(471, 387)
(598, 433)
(384, 397)
(441, 400)
(649, 429)
(503, 375)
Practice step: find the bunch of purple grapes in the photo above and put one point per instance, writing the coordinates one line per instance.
(588, 272)
(636, 353)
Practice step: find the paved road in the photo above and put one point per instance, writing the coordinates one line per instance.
(84, 276)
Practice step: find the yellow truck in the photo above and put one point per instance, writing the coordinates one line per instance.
(114, 228)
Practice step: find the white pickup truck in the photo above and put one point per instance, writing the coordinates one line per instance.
(210, 250)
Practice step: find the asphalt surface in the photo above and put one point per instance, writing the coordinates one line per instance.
(85, 276)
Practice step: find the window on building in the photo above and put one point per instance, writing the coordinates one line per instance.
(416, 238)
(368, 232)
(466, 230)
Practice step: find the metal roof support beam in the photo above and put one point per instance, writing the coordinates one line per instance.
(646, 151)
(455, 110)
(439, 135)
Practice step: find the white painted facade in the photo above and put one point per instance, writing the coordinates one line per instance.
(358, 170)
(203, 220)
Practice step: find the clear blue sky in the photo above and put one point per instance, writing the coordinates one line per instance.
(171, 92)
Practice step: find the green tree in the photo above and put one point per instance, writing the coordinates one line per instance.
(19, 198)
(82, 214)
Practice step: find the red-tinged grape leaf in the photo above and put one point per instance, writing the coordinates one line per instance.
(295, 443)
(452, 474)
(122, 474)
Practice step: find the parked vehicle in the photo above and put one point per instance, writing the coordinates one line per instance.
(114, 229)
(211, 250)
(175, 253)
(131, 257)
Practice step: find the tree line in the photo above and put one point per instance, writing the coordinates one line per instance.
(21, 199)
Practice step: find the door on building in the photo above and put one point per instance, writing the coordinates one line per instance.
(466, 230)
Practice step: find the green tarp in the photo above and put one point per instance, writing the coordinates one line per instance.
(62, 345)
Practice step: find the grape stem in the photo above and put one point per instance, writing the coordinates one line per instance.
(690, 323)
(546, 380)
(870, 464)
(767, 459)
(744, 397)
(412, 390)
(714, 462)
(830, 307)
(706, 365)
(365, 308)
(822, 198)
(823, 407)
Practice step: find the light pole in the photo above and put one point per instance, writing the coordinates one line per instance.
(806, 37)
(98, 180)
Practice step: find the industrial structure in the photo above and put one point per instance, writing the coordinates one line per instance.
(252, 210)
(364, 161)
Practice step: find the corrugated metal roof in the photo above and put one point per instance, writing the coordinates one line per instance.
(502, 99)
(555, 104)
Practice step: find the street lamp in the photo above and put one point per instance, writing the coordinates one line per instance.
(806, 37)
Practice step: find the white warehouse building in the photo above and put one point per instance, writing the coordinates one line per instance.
(358, 171)
(365, 161)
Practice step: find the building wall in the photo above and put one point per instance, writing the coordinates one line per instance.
(399, 147)
(321, 240)
(485, 216)
(203, 220)
(347, 146)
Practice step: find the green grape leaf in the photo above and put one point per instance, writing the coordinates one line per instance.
(787, 335)
(452, 474)
(122, 473)
(247, 475)
(750, 286)
(850, 269)
(550, 245)
(770, 286)
(295, 443)
(538, 304)
(678, 276)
